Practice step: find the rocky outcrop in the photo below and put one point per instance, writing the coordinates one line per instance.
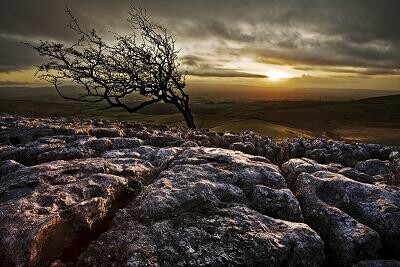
(356, 220)
(19, 131)
(46, 208)
(378, 263)
(102, 193)
(198, 213)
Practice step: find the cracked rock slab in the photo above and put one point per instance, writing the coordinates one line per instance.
(200, 212)
(178, 201)
(357, 221)
(45, 209)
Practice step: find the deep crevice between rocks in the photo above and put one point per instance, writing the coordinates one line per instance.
(84, 238)
(71, 254)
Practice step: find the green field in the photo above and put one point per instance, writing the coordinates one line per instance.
(370, 120)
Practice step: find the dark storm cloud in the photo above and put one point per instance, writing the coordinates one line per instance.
(362, 71)
(328, 53)
(48, 19)
(223, 73)
(354, 33)
(15, 55)
(197, 66)
(316, 33)
(192, 61)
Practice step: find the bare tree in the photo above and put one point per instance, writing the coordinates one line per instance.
(143, 62)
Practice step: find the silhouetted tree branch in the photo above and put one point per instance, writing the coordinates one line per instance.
(144, 62)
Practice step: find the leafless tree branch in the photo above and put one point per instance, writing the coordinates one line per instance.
(144, 62)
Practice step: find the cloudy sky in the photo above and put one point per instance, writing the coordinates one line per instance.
(292, 43)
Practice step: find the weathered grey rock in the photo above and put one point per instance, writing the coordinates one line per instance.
(199, 212)
(246, 147)
(107, 132)
(357, 175)
(44, 209)
(290, 149)
(342, 155)
(373, 167)
(126, 143)
(205, 174)
(346, 240)
(331, 151)
(245, 170)
(351, 217)
(30, 135)
(42, 212)
(230, 138)
(63, 180)
(9, 166)
(361, 153)
(27, 155)
(378, 263)
(101, 144)
(279, 204)
(320, 155)
(189, 144)
(235, 236)
(292, 168)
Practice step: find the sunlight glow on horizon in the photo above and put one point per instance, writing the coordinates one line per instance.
(277, 75)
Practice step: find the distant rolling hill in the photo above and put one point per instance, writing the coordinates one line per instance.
(373, 119)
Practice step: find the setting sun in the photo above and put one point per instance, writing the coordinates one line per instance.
(276, 75)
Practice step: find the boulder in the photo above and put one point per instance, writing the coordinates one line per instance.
(126, 143)
(235, 236)
(48, 210)
(373, 167)
(356, 220)
(199, 212)
(246, 147)
(9, 166)
(357, 175)
(279, 204)
(378, 263)
(346, 240)
(107, 132)
(292, 168)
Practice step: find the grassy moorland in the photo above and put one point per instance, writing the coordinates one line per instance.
(278, 114)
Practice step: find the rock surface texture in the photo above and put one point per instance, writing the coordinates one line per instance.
(103, 193)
